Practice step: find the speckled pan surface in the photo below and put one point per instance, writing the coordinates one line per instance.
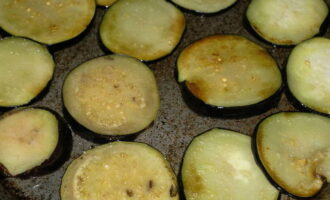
(175, 125)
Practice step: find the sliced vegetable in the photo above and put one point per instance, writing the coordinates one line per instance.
(219, 165)
(205, 6)
(226, 71)
(49, 22)
(120, 170)
(105, 2)
(294, 149)
(112, 95)
(308, 72)
(26, 67)
(28, 138)
(145, 29)
(287, 22)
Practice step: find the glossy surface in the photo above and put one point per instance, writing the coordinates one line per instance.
(228, 71)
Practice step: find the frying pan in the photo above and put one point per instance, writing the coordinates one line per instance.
(176, 123)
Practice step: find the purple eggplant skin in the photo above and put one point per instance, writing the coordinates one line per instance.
(204, 109)
(60, 155)
(268, 176)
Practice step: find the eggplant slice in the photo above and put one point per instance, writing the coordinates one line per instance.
(28, 137)
(287, 22)
(294, 149)
(226, 71)
(120, 170)
(112, 95)
(308, 74)
(105, 2)
(26, 67)
(205, 6)
(145, 29)
(219, 165)
(48, 22)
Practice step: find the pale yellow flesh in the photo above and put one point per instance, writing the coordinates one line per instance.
(205, 6)
(228, 71)
(25, 69)
(120, 170)
(219, 165)
(105, 2)
(308, 72)
(46, 21)
(112, 95)
(295, 149)
(287, 22)
(145, 29)
(27, 138)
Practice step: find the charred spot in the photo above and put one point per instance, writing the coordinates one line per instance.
(196, 88)
(150, 184)
(173, 191)
(116, 86)
(129, 193)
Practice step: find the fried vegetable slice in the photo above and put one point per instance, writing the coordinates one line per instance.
(145, 29)
(228, 71)
(120, 170)
(287, 22)
(219, 165)
(308, 72)
(26, 67)
(112, 95)
(49, 22)
(294, 149)
(28, 137)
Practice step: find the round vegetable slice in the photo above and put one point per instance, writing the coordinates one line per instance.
(226, 71)
(294, 149)
(105, 2)
(219, 165)
(28, 138)
(120, 170)
(308, 74)
(287, 22)
(205, 6)
(25, 69)
(49, 22)
(112, 95)
(145, 29)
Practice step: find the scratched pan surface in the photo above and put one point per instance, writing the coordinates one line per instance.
(176, 124)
